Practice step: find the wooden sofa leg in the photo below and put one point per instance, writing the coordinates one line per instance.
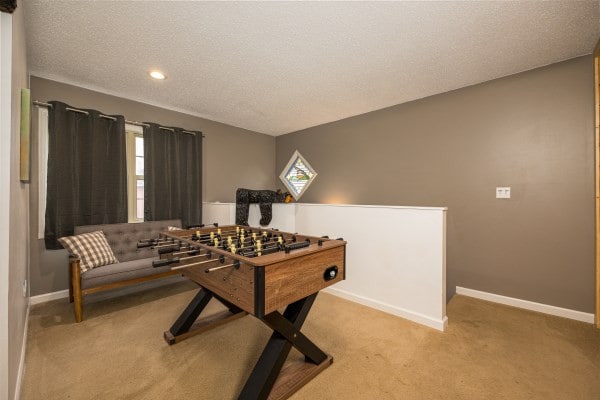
(76, 289)
(70, 281)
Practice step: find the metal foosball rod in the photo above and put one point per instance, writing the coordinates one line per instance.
(221, 259)
(192, 228)
(235, 264)
(257, 252)
(219, 232)
(167, 245)
(154, 242)
(249, 244)
(176, 260)
(249, 241)
(193, 252)
(172, 247)
(193, 264)
(208, 240)
(178, 252)
(237, 233)
(250, 253)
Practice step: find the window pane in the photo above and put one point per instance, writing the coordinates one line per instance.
(139, 146)
(139, 165)
(139, 210)
(298, 175)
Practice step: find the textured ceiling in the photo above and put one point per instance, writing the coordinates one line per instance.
(277, 67)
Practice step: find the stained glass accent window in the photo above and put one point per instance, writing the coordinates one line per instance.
(297, 175)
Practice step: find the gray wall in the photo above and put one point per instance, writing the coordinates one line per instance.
(232, 158)
(533, 131)
(19, 216)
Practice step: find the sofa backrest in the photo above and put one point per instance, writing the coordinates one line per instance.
(123, 238)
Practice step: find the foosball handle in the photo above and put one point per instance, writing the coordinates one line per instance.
(320, 242)
(296, 246)
(166, 250)
(165, 262)
(195, 226)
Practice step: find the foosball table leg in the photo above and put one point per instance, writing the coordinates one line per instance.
(267, 380)
(188, 324)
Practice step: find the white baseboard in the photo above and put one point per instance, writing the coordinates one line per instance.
(527, 305)
(42, 298)
(439, 324)
(22, 359)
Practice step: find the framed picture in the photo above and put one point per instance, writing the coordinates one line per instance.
(25, 171)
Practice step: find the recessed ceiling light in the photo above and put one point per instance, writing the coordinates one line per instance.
(157, 75)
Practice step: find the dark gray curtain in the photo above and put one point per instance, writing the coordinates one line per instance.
(87, 171)
(172, 175)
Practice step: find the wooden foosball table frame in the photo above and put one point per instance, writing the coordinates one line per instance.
(259, 285)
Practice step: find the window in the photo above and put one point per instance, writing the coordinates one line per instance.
(297, 175)
(135, 172)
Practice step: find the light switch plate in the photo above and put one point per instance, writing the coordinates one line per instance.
(503, 192)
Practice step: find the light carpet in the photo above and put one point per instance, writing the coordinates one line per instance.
(489, 351)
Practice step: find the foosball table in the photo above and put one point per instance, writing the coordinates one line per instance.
(259, 272)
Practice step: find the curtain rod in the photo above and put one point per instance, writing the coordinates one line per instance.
(48, 105)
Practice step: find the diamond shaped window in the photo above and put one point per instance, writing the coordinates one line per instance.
(297, 175)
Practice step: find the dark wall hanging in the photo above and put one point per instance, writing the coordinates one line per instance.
(8, 5)
(265, 200)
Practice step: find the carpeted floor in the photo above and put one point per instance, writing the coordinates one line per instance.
(489, 351)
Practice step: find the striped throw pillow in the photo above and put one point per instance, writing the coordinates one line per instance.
(92, 249)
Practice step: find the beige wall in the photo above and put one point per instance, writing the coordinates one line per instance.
(232, 158)
(533, 131)
(19, 215)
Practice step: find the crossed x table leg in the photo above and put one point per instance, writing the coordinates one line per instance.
(187, 324)
(267, 380)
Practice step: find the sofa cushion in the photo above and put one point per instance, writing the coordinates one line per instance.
(91, 248)
(123, 238)
(120, 272)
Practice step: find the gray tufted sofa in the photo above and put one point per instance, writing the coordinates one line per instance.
(134, 266)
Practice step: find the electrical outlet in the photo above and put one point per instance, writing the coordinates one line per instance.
(25, 288)
(503, 192)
